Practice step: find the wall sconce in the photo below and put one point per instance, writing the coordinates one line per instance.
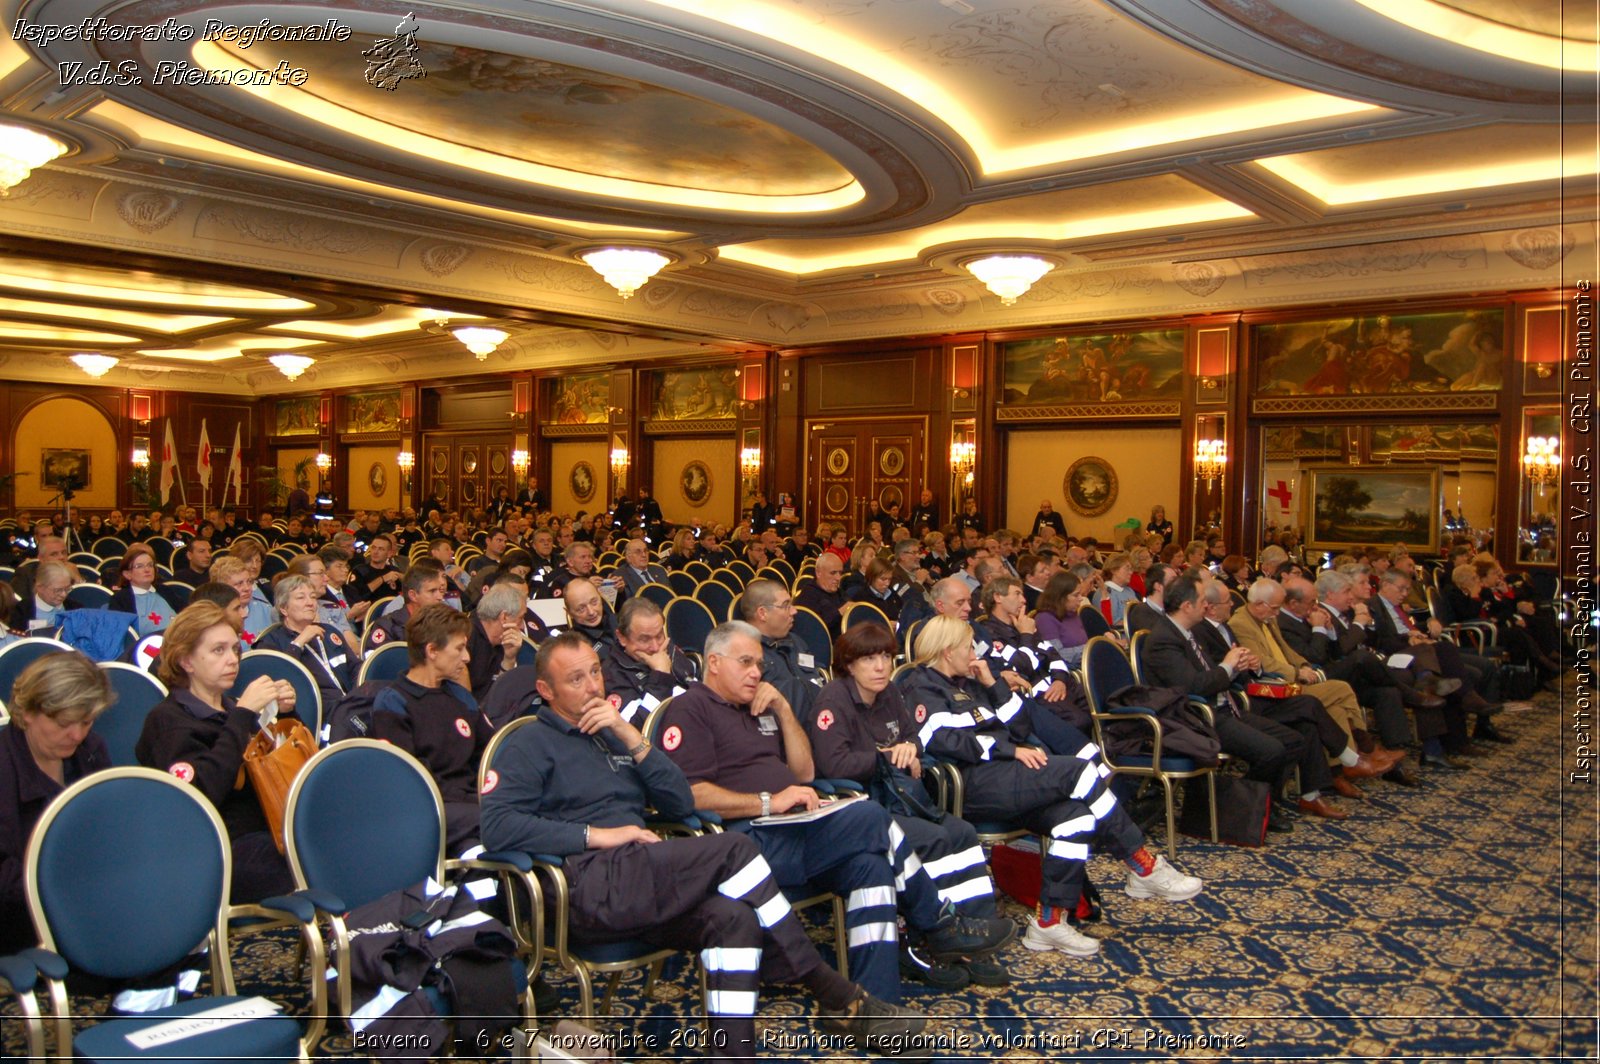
(519, 463)
(22, 151)
(619, 462)
(750, 461)
(1541, 460)
(407, 461)
(1008, 276)
(1210, 460)
(625, 269)
(963, 459)
(96, 366)
(141, 458)
(324, 463)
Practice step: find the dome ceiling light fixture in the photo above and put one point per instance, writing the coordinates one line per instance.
(1008, 276)
(479, 340)
(290, 365)
(22, 151)
(95, 365)
(625, 269)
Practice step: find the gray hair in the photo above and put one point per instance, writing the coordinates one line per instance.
(725, 633)
(943, 589)
(500, 599)
(1331, 583)
(1274, 553)
(1393, 576)
(45, 570)
(1264, 590)
(286, 587)
(1212, 590)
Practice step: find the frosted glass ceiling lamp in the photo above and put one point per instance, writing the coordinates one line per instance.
(95, 365)
(480, 341)
(22, 151)
(291, 366)
(1008, 276)
(625, 269)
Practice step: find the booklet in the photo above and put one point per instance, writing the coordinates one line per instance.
(828, 807)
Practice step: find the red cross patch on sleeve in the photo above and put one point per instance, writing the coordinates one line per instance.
(922, 713)
(183, 770)
(615, 700)
(825, 719)
(377, 636)
(491, 780)
(464, 728)
(672, 738)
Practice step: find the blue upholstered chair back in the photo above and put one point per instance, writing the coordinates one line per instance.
(1094, 622)
(19, 655)
(1106, 669)
(128, 871)
(388, 662)
(682, 583)
(1136, 647)
(717, 597)
(660, 594)
(137, 693)
(89, 596)
(364, 819)
(689, 621)
(814, 634)
(280, 666)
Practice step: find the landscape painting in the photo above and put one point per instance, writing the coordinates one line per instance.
(689, 395)
(373, 412)
(296, 416)
(581, 400)
(1101, 368)
(1382, 354)
(1353, 506)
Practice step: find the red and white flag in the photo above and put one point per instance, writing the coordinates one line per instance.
(235, 476)
(169, 464)
(204, 462)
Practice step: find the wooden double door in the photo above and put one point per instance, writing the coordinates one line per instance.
(857, 466)
(466, 471)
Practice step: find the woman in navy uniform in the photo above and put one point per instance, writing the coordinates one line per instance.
(199, 732)
(324, 652)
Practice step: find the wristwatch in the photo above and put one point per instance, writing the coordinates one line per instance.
(766, 803)
(644, 744)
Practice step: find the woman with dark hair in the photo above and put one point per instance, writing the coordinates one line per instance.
(862, 729)
(1057, 616)
(95, 528)
(199, 732)
(47, 747)
(137, 592)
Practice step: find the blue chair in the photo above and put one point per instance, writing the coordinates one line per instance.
(91, 573)
(109, 548)
(717, 597)
(14, 657)
(128, 870)
(280, 666)
(660, 594)
(89, 596)
(855, 613)
(177, 592)
(389, 662)
(734, 581)
(364, 819)
(814, 634)
(1094, 622)
(682, 583)
(137, 693)
(698, 570)
(743, 570)
(272, 565)
(162, 549)
(689, 622)
(1106, 670)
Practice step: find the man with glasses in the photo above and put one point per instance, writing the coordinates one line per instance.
(43, 610)
(787, 662)
(746, 755)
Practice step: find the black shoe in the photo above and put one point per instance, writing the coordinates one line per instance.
(987, 973)
(917, 966)
(544, 997)
(1277, 821)
(878, 1024)
(955, 937)
(1401, 776)
(1488, 733)
(1442, 764)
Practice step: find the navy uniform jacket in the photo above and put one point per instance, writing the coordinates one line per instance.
(714, 741)
(390, 628)
(846, 735)
(639, 686)
(25, 791)
(204, 747)
(550, 780)
(513, 695)
(333, 669)
(789, 665)
(1029, 656)
(439, 726)
(825, 604)
(962, 721)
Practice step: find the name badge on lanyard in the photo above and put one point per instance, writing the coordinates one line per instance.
(768, 724)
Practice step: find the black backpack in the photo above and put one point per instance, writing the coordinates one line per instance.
(351, 718)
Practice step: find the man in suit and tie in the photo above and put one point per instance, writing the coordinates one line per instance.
(1172, 657)
(638, 570)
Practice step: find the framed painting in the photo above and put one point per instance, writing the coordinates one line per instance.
(695, 483)
(64, 466)
(1100, 368)
(378, 479)
(1090, 486)
(295, 416)
(373, 412)
(581, 400)
(1357, 506)
(693, 394)
(582, 481)
(1382, 354)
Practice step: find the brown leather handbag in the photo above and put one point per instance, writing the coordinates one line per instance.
(273, 759)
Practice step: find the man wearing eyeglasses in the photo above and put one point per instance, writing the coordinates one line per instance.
(787, 663)
(576, 784)
(736, 738)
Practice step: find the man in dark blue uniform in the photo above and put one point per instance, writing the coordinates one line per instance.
(642, 666)
(576, 784)
(787, 663)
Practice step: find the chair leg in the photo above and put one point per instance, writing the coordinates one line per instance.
(1172, 827)
(841, 938)
(585, 993)
(1211, 795)
(611, 992)
(651, 975)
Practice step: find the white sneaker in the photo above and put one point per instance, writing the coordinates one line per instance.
(1163, 882)
(1059, 936)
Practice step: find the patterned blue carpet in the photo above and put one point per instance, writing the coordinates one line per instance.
(1454, 920)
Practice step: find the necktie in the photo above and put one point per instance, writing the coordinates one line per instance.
(1403, 617)
(1225, 697)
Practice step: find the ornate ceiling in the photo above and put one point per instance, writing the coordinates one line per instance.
(817, 170)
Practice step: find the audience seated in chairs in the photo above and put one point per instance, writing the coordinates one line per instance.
(258, 613)
(1115, 594)
(1058, 618)
(46, 603)
(47, 747)
(138, 594)
(198, 733)
(786, 662)
(423, 585)
(965, 716)
(876, 587)
(643, 668)
(497, 637)
(327, 656)
(1145, 615)
(580, 784)
(822, 596)
(746, 755)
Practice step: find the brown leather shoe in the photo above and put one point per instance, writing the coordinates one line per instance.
(1440, 686)
(1399, 774)
(1365, 768)
(1345, 789)
(1387, 757)
(1323, 809)
(1417, 698)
